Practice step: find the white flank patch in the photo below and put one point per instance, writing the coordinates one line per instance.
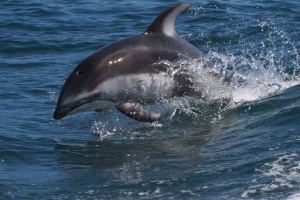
(145, 87)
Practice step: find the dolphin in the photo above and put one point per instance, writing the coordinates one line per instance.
(131, 73)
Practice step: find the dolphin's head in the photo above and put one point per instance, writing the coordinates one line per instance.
(75, 90)
(82, 87)
(86, 88)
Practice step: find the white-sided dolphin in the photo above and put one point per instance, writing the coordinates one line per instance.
(129, 73)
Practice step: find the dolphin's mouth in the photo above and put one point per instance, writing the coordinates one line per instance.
(61, 112)
(64, 109)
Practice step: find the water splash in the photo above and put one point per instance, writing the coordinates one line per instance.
(260, 68)
(256, 69)
(251, 79)
(209, 95)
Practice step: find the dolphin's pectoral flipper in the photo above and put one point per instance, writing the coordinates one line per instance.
(135, 110)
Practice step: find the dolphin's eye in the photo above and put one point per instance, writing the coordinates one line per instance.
(79, 72)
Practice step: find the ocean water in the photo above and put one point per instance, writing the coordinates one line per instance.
(244, 146)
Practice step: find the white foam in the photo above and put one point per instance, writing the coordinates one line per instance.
(250, 78)
(283, 173)
(294, 197)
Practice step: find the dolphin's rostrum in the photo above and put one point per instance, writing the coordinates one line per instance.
(130, 73)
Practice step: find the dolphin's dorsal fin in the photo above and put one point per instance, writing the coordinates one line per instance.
(165, 22)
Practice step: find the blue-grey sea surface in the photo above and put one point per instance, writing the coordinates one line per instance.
(242, 147)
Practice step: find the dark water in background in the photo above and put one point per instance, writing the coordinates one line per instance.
(249, 150)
